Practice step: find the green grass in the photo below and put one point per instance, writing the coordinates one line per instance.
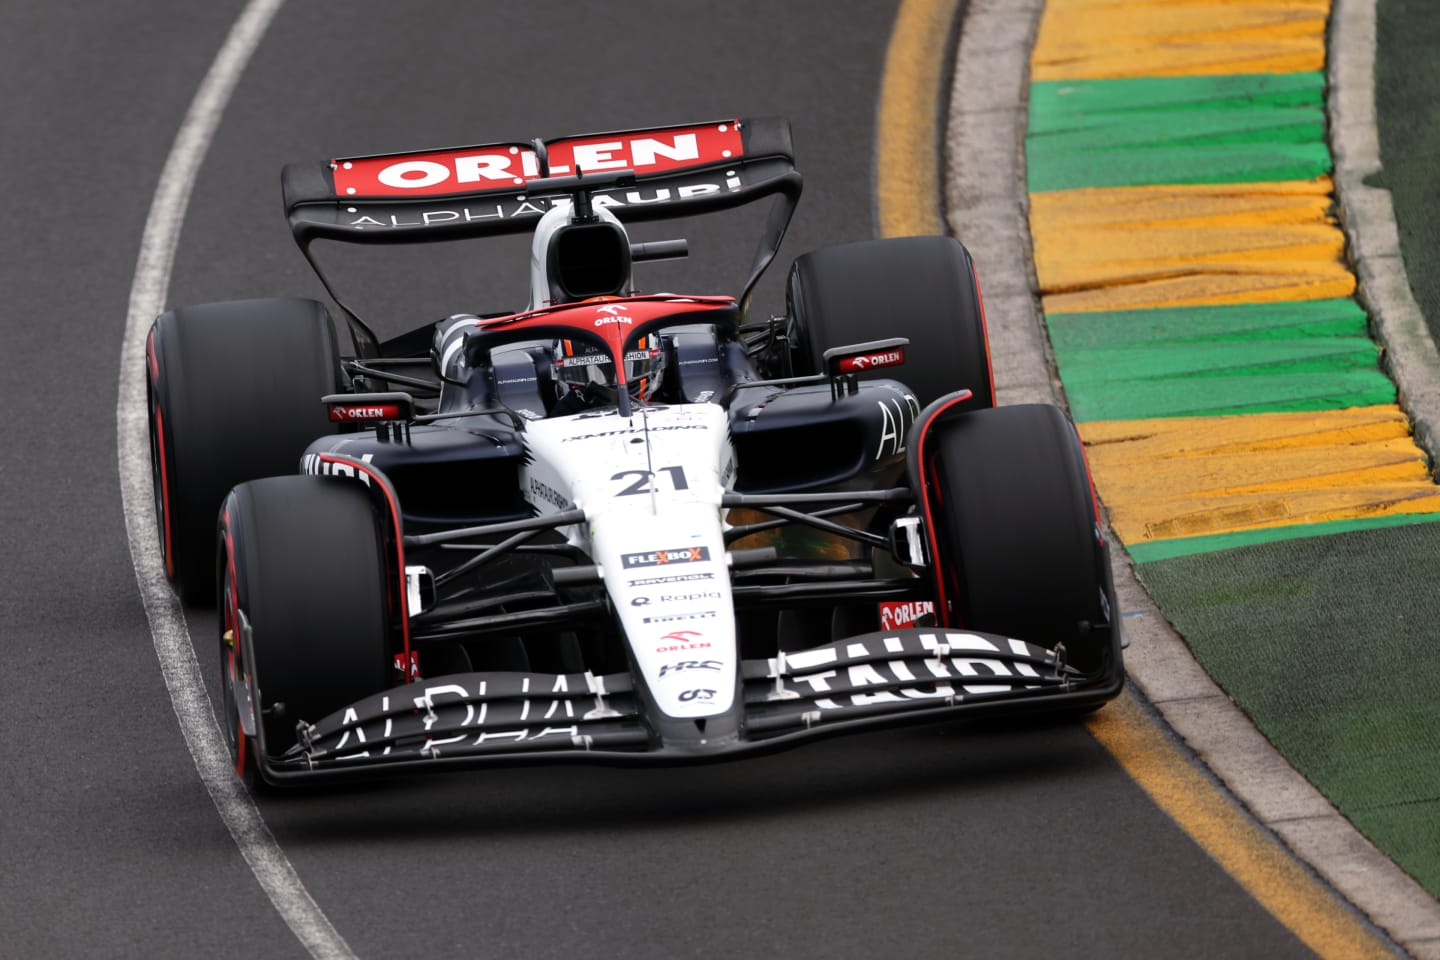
(1329, 643)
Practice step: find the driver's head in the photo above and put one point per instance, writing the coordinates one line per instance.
(587, 370)
(582, 366)
(644, 367)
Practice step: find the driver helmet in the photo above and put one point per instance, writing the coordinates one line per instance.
(589, 370)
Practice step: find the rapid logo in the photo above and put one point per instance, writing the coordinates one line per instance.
(660, 558)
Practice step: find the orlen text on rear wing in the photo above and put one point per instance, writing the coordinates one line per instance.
(504, 188)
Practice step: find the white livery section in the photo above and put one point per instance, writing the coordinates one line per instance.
(650, 487)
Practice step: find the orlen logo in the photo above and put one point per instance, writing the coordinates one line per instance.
(870, 361)
(612, 313)
(896, 615)
(680, 641)
(340, 413)
(510, 165)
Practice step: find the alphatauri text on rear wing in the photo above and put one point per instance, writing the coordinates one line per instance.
(503, 188)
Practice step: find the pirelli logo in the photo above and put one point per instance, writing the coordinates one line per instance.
(660, 558)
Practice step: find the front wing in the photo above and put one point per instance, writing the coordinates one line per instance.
(862, 682)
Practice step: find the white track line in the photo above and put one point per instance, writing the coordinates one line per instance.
(173, 646)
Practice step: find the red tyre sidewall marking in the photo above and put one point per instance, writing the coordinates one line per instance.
(404, 592)
(154, 366)
(232, 623)
(164, 492)
(942, 604)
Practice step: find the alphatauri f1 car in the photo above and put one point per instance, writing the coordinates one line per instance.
(613, 525)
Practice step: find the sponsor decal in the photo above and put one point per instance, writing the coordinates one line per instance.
(659, 558)
(871, 361)
(896, 615)
(639, 601)
(682, 641)
(529, 209)
(628, 430)
(673, 617)
(312, 465)
(542, 492)
(584, 360)
(612, 313)
(953, 664)
(506, 166)
(537, 712)
(685, 665)
(678, 597)
(896, 416)
(356, 413)
(678, 578)
(410, 669)
(703, 695)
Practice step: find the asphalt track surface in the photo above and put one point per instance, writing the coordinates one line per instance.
(1002, 841)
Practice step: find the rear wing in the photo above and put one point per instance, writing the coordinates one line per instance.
(503, 188)
(495, 189)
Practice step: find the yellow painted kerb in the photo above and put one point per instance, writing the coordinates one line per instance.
(909, 193)
(1260, 865)
(908, 184)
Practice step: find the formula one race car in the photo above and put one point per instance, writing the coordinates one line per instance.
(616, 526)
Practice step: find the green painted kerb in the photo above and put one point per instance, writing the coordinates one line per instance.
(1155, 550)
(1213, 361)
(1176, 130)
(1329, 644)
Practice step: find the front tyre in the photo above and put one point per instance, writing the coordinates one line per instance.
(234, 394)
(1014, 523)
(305, 582)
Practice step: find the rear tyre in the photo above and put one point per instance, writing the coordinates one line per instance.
(234, 394)
(1014, 522)
(304, 560)
(923, 288)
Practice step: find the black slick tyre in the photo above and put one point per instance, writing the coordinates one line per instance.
(233, 395)
(304, 565)
(1014, 523)
(922, 288)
